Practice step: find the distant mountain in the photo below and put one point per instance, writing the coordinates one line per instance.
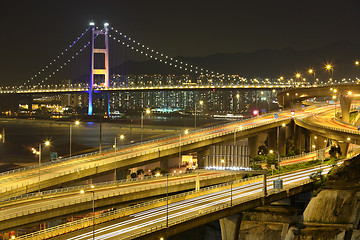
(266, 62)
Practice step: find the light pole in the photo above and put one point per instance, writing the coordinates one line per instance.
(330, 68)
(167, 200)
(185, 132)
(122, 137)
(93, 209)
(147, 111)
(46, 143)
(311, 71)
(76, 123)
(231, 182)
(201, 102)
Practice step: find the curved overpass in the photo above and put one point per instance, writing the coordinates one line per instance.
(344, 93)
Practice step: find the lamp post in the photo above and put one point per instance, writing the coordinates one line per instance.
(201, 102)
(93, 209)
(147, 111)
(311, 71)
(46, 143)
(122, 137)
(185, 132)
(330, 68)
(76, 123)
(167, 200)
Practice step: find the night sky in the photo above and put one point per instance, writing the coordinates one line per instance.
(34, 32)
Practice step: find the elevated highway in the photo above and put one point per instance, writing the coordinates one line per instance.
(60, 173)
(169, 216)
(32, 208)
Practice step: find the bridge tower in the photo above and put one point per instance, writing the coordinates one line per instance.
(98, 71)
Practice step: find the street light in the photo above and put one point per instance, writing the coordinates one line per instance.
(76, 123)
(122, 137)
(330, 68)
(93, 208)
(147, 111)
(46, 144)
(311, 71)
(185, 132)
(201, 102)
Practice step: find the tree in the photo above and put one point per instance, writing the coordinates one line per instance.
(140, 171)
(258, 158)
(271, 160)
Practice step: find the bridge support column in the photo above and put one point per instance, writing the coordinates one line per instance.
(345, 102)
(203, 158)
(344, 148)
(230, 226)
(299, 138)
(253, 143)
(272, 139)
(121, 174)
(282, 141)
(29, 102)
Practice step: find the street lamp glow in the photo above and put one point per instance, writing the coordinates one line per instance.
(201, 102)
(92, 23)
(122, 137)
(349, 93)
(106, 25)
(147, 111)
(348, 139)
(271, 151)
(77, 122)
(82, 191)
(186, 131)
(328, 67)
(283, 125)
(47, 143)
(311, 70)
(298, 75)
(357, 63)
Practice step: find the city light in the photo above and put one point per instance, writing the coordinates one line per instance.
(328, 67)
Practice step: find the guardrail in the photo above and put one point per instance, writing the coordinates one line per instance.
(86, 222)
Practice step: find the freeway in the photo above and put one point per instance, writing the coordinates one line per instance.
(30, 176)
(132, 226)
(34, 204)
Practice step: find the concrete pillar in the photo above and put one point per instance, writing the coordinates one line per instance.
(197, 182)
(307, 140)
(344, 147)
(121, 174)
(299, 138)
(345, 102)
(282, 141)
(30, 102)
(272, 139)
(253, 145)
(230, 226)
(202, 156)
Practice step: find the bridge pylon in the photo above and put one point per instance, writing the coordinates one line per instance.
(98, 71)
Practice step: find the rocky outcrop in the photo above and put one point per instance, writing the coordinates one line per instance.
(335, 212)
